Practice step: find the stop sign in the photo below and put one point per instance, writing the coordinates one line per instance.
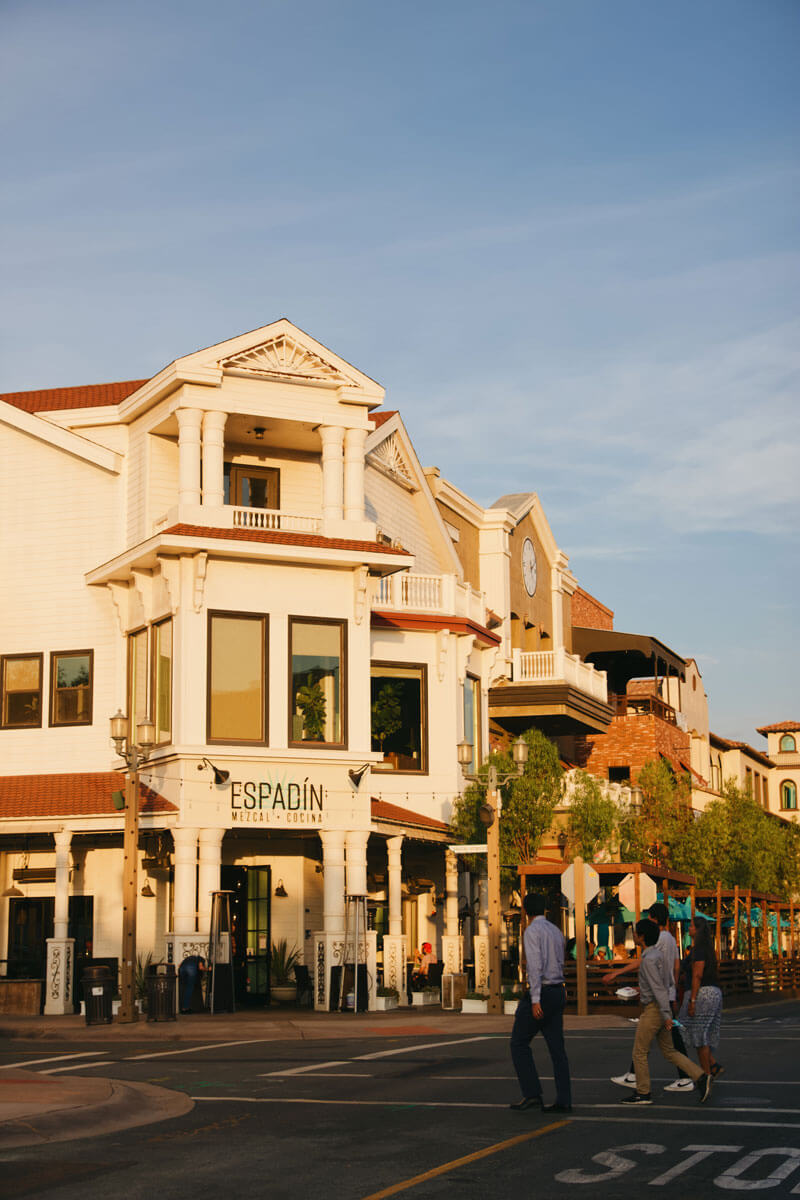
(591, 883)
(647, 892)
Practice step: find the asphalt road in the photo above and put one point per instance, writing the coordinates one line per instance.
(364, 1119)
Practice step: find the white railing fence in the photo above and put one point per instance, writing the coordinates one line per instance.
(542, 666)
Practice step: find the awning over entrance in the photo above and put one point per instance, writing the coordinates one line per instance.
(626, 656)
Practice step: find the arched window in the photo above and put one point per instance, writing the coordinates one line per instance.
(787, 742)
(788, 794)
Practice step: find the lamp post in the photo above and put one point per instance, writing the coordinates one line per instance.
(134, 755)
(490, 816)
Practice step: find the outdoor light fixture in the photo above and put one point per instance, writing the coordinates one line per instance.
(280, 890)
(147, 890)
(489, 814)
(13, 893)
(258, 433)
(220, 777)
(134, 754)
(357, 774)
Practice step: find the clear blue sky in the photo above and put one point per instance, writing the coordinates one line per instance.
(562, 234)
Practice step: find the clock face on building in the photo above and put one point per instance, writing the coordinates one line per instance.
(529, 566)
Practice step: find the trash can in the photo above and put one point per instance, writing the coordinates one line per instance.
(161, 982)
(98, 988)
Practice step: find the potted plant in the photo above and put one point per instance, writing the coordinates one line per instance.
(310, 699)
(386, 998)
(510, 1001)
(387, 716)
(283, 985)
(475, 1002)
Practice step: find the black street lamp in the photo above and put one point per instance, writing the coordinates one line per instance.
(134, 756)
(490, 816)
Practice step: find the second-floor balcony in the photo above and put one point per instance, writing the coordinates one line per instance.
(558, 666)
(647, 705)
(408, 592)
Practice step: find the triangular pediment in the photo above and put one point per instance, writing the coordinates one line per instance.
(284, 357)
(390, 457)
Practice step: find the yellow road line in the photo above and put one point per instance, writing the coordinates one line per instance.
(460, 1162)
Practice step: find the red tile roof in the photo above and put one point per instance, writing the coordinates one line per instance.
(378, 418)
(383, 811)
(727, 744)
(91, 395)
(276, 537)
(81, 795)
(781, 727)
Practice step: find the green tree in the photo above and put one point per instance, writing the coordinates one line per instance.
(387, 714)
(528, 802)
(734, 840)
(592, 819)
(665, 814)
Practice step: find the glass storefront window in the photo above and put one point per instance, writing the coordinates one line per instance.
(316, 682)
(398, 707)
(237, 678)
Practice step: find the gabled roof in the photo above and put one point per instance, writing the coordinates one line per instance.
(90, 395)
(81, 795)
(382, 810)
(378, 418)
(781, 727)
(722, 743)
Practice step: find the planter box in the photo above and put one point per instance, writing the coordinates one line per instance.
(21, 996)
(422, 999)
(386, 1003)
(510, 1007)
(474, 1006)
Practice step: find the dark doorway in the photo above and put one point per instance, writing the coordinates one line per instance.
(81, 928)
(251, 915)
(30, 924)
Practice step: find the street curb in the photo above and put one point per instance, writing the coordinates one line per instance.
(129, 1104)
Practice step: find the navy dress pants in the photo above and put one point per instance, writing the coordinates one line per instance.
(526, 1026)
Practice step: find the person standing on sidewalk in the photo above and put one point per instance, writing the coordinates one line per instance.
(655, 1021)
(542, 1009)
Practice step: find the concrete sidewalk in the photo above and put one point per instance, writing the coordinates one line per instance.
(277, 1024)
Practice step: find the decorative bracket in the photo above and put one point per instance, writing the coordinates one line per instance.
(200, 571)
(119, 598)
(361, 586)
(442, 644)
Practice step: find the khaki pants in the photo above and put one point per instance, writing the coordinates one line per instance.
(651, 1025)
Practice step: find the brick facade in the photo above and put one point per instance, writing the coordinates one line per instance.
(589, 613)
(632, 741)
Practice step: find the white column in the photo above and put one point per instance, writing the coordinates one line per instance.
(214, 458)
(452, 944)
(210, 858)
(189, 420)
(394, 847)
(558, 608)
(395, 953)
(332, 437)
(329, 942)
(185, 897)
(333, 890)
(357, 862)
(480, 942)
(60, 948)
(354, 440)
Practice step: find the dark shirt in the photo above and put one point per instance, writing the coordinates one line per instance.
(710, 977)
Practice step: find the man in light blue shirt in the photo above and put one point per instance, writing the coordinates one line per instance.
(542, 1009)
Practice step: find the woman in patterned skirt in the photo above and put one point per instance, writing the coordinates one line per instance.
(701, 1011)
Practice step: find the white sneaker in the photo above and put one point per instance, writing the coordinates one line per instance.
(627, 1080)
(680, 1085)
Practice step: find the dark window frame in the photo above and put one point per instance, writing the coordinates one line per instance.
(153, 673)
(298, 619)
(477, 750)
(237, 615)
(270, 474)
(788, 749)
(424, 768)
(6, 658)
(788, 784)
(54, 656)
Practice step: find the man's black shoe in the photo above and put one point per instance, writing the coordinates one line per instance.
(557, 1108)
(528, 1102)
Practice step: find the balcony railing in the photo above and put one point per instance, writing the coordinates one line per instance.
(643, 706)
(558, 666)
(274, 518)
(429, 593)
